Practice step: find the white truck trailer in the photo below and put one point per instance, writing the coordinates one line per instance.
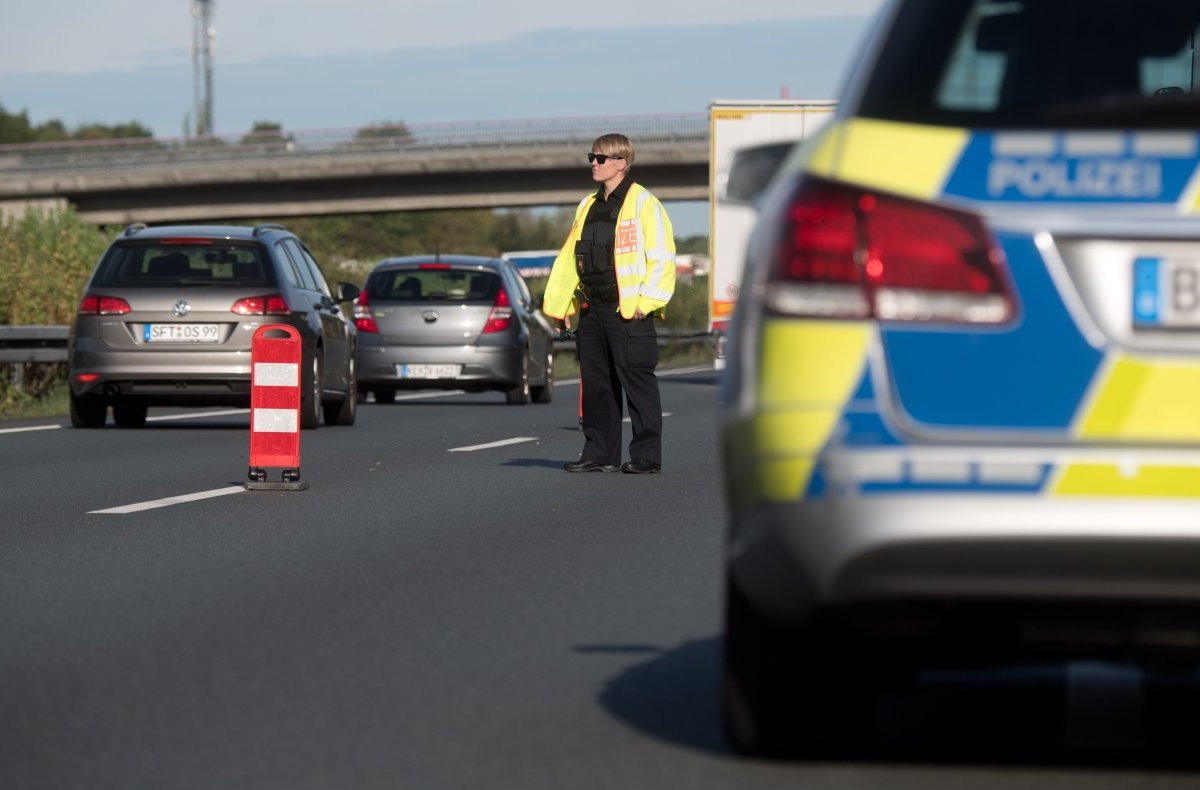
(749, 140)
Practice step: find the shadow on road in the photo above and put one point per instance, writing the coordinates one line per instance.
(672, 695)
(545, 463)
(1080, 715)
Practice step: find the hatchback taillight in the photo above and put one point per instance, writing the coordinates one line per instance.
(273, 304)
(501, 316)
(843, 252)
(363, 318)
(93, 304)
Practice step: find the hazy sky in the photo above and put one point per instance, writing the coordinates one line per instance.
(47, 46)
(67, 36)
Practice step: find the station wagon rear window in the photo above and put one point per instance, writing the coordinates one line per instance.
(183, 264)
(433, 284)
(1036, 63)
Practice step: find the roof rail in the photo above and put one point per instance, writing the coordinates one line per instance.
(133, 228)
(266, 226)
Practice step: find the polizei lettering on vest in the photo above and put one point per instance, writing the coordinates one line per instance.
(1080, 178)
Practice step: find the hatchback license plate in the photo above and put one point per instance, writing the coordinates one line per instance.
(428, 371)
(181, 333)
(1166, 293)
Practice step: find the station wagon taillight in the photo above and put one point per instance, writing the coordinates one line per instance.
(273, 304)
(363, 319)
(843, 252)
(93, 304)
(501, 316)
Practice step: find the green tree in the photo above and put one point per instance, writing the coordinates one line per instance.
(266, 132)
(16, 128)
(384, 130)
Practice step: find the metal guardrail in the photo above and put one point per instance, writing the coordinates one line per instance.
(23, 160)
(48, 344)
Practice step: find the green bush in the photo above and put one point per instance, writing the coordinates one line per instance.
(45, 260)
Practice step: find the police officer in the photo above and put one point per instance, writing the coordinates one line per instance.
(616, 269)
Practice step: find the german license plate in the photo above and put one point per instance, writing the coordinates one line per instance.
(428, 371)
(181, 333)
(1166, 292)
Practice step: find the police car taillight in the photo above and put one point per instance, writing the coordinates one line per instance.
(843, 252)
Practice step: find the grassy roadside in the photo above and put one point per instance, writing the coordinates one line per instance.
(566, 366)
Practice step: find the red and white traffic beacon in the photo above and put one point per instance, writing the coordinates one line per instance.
(275, 407)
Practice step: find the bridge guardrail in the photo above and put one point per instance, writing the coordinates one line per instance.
(26, 159)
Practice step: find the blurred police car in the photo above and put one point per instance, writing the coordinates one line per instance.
(961, 420)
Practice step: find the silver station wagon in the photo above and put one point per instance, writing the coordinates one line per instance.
(168, 316)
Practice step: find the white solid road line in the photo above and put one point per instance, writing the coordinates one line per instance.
(31, 428)
(188, 416)
(194, 415)
(413, 396)
(490, 445)
(173, 500)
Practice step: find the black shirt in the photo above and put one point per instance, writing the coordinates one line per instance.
(600, 224)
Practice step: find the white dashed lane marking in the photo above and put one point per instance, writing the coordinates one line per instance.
(173, 500)
(490, 445)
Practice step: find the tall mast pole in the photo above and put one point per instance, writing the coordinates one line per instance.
(204, 39)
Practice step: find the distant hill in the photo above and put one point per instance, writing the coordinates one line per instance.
(550, 73)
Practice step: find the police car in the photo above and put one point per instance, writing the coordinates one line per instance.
(961, 417)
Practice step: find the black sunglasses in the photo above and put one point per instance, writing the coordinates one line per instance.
(602, 158)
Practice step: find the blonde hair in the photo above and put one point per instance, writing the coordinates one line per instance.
(617, 145)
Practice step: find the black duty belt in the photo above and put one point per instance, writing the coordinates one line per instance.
(586, 296)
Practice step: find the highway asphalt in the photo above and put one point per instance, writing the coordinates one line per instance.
(444, 607)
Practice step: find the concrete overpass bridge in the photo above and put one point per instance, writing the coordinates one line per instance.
(485, 164)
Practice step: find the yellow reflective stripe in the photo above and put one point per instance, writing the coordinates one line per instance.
(1156, 399)
(809, 370)
(807, 363)
(782, 480)
(1113, 480)
(900, 158)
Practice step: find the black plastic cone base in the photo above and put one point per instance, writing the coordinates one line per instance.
(257, 485)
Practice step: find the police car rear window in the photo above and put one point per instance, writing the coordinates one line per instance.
(1039, 63)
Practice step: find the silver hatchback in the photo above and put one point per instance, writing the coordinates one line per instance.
(169, 312)
(452, 322)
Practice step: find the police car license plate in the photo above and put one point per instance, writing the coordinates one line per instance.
(1166, 293)
(181, 333)
(428, 371)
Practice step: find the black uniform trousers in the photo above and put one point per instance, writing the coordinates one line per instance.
(617, 357)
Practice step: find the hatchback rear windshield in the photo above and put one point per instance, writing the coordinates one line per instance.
(185, 264)
(433, 285)
(1039, 63)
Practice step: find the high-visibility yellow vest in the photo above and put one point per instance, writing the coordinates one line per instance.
(643, 252)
